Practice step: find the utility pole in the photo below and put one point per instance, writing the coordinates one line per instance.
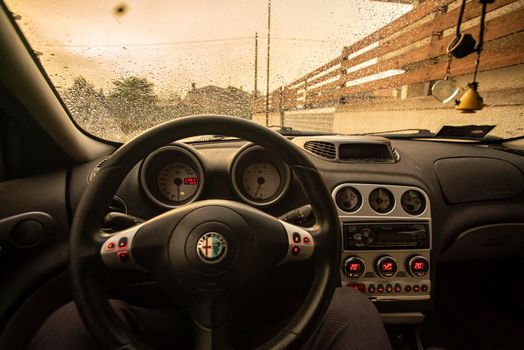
(268, 52)
(255, 92)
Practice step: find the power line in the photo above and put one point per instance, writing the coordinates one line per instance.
(191, 42)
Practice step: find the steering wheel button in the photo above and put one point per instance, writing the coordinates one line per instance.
(296, 237)
(111, 246)
(295, 250)
(307, 240)
(123, 256)
(122, 242)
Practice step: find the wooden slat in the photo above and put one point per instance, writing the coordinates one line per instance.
(318, 70)
(507, 54)
(323, 99)
(324, 89)
(414, 15)
(324, 77)
(442, 22)
(496, 28)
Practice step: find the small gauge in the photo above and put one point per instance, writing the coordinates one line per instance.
(260, 181)
(413, 202)
(381, 200)
(348, 199)
(177, 181)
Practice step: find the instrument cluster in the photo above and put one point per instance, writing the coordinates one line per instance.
(174, 175)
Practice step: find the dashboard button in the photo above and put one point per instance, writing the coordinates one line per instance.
(418, 266)
(354, 267)
(424, 288)
(416, 288)
(122, 242)
(398, 288)
(380, 288)
(358, 286)
(386, 267)
(123, 256)
(407, 288)
(371, 288)
(389, 288)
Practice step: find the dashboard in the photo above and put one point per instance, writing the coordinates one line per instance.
(395, 218)
(404, 206)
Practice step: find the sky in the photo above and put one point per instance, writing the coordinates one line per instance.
(175, 43)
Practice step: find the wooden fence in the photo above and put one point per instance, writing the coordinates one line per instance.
(409, 50)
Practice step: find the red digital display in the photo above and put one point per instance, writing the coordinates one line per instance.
(354, 267)
(388, 266)
(418, 265)
(190, 181)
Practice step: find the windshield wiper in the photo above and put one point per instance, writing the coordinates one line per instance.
(463, 132)
(400, 133)
(289, 131)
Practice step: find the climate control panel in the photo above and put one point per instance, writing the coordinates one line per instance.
(401, 275)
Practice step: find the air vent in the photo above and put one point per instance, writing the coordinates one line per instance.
(96, 169)
(350, 148)
(322, 149)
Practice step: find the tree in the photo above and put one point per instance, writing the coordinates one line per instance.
(90, 109)
(133, 102)
(82, 96)
(134, 91)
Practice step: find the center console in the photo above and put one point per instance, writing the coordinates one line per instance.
(386, 235)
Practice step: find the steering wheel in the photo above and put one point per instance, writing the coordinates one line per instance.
(208, 254)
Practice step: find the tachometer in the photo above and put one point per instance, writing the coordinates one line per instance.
(177, 181)
(260, 180)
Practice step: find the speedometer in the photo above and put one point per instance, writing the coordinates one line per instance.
(260, 180)
(177, 181)
(172, 176)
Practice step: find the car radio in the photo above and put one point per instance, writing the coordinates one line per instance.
(380, 236)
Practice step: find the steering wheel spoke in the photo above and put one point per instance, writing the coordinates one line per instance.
(117, 250)
(301, 243)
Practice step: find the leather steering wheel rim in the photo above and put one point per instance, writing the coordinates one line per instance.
(92, 303)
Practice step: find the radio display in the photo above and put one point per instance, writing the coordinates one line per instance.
(374, 236)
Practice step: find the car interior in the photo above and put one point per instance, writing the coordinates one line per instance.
(250, 209)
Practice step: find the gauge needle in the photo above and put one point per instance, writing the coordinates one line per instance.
(178, 182)
(260, 181)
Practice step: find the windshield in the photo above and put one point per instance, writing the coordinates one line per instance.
(341, 66)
